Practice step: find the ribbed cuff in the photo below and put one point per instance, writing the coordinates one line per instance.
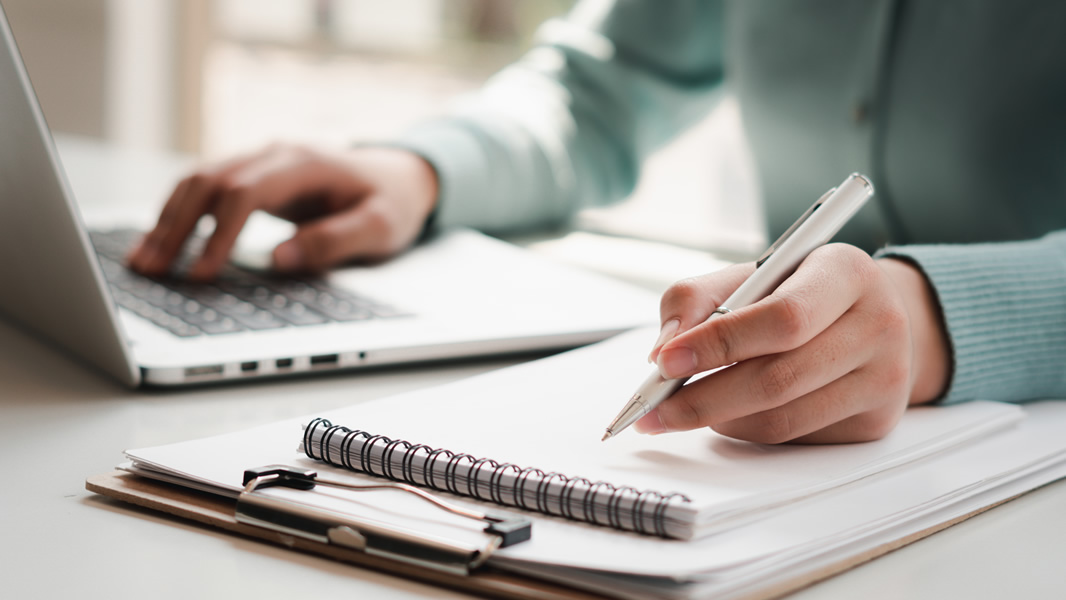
(1004, 308)
(462, 172)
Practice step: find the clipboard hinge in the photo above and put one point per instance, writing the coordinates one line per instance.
(374, 538)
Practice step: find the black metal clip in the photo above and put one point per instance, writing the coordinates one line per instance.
(332, 527)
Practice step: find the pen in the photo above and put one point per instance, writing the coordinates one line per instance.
(813, 229)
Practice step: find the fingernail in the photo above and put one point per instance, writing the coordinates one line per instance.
(669, 329)
(288, 257)
(650, 424)
(677, 362)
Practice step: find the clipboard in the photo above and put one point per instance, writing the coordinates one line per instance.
(217, 511)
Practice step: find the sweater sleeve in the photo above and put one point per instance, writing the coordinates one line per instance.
(1004, 307)
(569, 124)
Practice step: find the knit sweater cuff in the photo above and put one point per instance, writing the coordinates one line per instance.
(462, 173)
(1004, 306)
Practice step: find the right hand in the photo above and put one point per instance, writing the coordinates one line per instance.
(357, 203)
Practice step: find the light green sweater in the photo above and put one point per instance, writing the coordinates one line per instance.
(953, 107)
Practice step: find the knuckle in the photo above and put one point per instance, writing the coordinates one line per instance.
(377, 220)
(858, 262)
(873, 426)
(233, 189)
(791, 315)
(234, 199)
(724, 342)
(776, 382)
(200, 181)
(851, 259)
(896, 377)
(772, 427)
(888, 323)
(681, 292)
(848, 254)
(893, 319)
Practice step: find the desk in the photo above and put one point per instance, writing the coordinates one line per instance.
(60, 422)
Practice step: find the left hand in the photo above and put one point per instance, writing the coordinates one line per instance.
(834, 355)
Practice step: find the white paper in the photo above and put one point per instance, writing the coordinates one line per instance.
(549, 414)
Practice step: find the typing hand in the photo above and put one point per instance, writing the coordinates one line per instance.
(358, 203)
(834, 355)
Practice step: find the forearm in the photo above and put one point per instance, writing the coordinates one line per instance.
(569, 125)
(1004, 310)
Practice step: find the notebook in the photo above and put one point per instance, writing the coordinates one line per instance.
(462, 294)
(751, 515)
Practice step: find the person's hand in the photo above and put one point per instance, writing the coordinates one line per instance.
(834, 355)
(359, 203)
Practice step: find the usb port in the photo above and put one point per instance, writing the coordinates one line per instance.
(248, 367)
(325, 359)
(283, 363)
(204, 370)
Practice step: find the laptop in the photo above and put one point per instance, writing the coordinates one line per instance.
(461, 294)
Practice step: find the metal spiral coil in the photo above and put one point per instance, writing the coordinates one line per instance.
(580, 499)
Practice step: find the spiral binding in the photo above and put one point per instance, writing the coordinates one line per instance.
(579, 499)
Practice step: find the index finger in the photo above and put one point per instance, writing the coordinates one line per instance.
(824, 287)
(191, 199)
(691, 301)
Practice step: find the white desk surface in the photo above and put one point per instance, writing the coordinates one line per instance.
(61, 422)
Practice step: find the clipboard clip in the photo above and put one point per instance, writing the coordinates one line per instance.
(373, 538)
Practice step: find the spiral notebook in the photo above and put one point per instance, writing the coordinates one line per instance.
(755, 521)
(528, 438)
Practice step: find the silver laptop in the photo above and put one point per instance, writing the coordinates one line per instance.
(461, 294)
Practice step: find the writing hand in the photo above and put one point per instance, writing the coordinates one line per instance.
(357, 203)
(835, 354)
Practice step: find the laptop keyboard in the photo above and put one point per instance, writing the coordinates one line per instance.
(238, 300)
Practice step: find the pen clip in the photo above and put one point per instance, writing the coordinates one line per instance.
(788, 232)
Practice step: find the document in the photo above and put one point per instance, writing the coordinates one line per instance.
(756, 513)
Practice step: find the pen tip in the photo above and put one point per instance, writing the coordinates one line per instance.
(606, 435)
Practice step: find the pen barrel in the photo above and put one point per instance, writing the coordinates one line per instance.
(824, 221)
(650, 394)
(655, 389)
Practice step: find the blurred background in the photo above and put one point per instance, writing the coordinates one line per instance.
(215, 77)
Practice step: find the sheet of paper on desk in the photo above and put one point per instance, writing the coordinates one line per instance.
(549, 414)
(816, 535)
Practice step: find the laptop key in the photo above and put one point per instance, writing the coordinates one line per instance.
(172, 323)
(239, 300)
(219, 325)
(261, 319)
(296, 313)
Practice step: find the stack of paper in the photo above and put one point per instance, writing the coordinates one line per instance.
(761, 516)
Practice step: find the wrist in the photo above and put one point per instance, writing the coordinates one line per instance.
(931, 359)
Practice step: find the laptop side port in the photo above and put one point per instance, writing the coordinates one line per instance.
(283, 363)
(250, 366)
(325, 360)
(203, 371)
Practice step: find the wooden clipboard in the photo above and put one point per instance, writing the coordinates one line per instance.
(217, 511)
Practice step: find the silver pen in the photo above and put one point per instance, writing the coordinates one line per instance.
(813, 229)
